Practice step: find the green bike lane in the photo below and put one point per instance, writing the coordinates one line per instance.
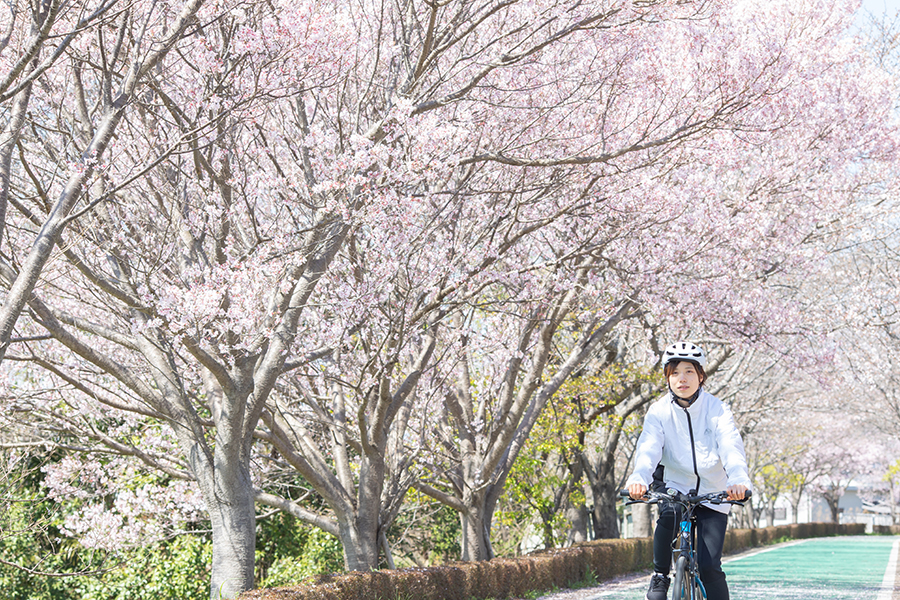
(834, 568)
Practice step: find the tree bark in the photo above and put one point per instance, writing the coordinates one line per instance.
(604, 515)
(363, 528)
(577, 517)
(893, 501)
(360, 549)
(476, 542)
(605, 487)
(641, 520)
(232, 514)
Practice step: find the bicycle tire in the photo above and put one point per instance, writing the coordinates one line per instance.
(681, 586)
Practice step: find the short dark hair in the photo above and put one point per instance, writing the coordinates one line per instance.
(670, 367)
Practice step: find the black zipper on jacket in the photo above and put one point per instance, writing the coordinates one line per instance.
(693, 451)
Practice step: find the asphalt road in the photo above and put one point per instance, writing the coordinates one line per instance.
(836, 568)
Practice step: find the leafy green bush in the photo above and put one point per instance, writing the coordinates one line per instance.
(445, 533)
(175, 570)
(29, 538)
(322, 553)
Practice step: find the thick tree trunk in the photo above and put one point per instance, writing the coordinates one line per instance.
(578, 524)
(476, 526)
(605, 489)
(234, 542)
(832, 497)
(641, 520)
(770, 513)
(223, 475)
(893, 503)
(605, 517)
(360, 527)
(230, 500)
(476, 543)
(360, 546)
(835, 511)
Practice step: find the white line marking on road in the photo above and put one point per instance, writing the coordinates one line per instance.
(641, 581)
(887, 584)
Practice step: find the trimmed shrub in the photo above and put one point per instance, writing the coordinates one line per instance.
(505, 577)
(886, 529)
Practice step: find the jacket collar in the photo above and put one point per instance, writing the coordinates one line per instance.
(694, 400)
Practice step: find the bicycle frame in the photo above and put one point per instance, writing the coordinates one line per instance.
(687, 583)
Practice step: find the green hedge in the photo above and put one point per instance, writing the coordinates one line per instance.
(510, 578)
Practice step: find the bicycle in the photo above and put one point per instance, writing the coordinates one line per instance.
(686, 582)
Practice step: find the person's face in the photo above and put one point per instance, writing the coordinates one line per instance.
(684, 380)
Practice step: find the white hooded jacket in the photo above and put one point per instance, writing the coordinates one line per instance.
(674, 436)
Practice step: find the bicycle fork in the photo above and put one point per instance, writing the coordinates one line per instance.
(686, 549)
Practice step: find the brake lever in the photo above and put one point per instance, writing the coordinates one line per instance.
(647, 501)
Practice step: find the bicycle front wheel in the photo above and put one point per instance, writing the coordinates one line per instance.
(681, 586)
(699, 590)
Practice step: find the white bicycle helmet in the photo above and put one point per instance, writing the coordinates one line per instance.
(684, 351)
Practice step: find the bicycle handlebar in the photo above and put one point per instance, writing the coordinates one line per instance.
(676, 496)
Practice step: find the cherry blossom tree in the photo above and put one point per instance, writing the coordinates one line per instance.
(365, 245)
(841, 463)
(756, 321)
(143, 39)
(261, 227)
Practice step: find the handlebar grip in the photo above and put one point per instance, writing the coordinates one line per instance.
(747, 494)
(624, 494)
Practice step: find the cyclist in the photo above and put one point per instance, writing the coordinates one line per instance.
(692, 435)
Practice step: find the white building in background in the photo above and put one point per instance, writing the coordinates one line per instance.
(809, 510)
(853, 509)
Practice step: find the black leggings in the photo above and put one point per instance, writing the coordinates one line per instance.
(710, 538)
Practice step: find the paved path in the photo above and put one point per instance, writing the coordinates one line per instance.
(835, 568)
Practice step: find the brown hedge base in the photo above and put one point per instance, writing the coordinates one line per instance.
(514, 578)
(886, 529)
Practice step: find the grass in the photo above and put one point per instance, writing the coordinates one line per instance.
(782, 539)
(534, 594)
(589, 580)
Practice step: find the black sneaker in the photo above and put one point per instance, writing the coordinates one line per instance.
(659, 587)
